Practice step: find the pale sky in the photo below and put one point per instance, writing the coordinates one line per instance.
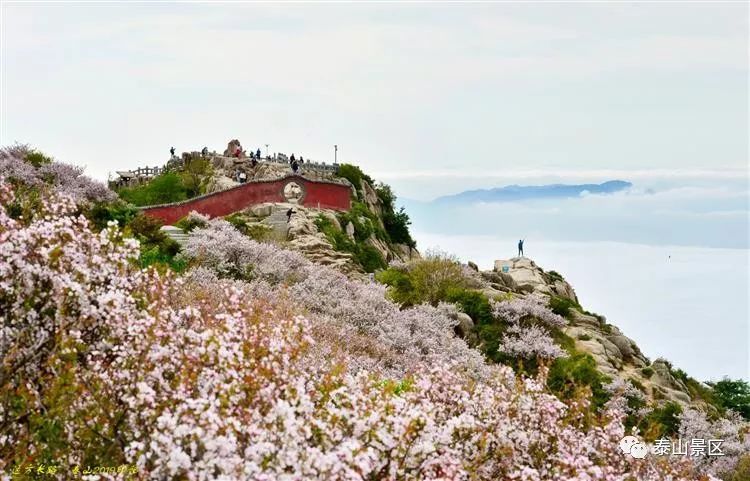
(403, 89)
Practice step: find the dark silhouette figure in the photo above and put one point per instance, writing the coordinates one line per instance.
(171, 151)
(520, 248)
(291, 159)
(289, 215)
(295, 166)
(204, 152)
(253, 161)
(257, 154)
(301, 160)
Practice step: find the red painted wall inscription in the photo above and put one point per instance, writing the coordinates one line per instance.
(310, 193)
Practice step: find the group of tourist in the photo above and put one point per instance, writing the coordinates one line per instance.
(294, 164)
(238, 152)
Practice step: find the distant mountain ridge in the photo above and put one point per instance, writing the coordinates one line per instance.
(526, 192)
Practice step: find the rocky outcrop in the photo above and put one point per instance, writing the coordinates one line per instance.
(301, 233)
(530, 277)
(615, 354)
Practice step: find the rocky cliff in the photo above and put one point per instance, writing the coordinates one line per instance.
(616, 355)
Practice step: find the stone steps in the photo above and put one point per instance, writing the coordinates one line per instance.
(176, 234)
(278, 221)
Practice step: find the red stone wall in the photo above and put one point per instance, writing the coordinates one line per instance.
(327, 195)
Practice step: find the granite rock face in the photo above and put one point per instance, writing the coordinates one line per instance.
(615, 354)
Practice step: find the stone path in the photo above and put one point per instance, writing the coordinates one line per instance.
(278, 221)
(175, 233)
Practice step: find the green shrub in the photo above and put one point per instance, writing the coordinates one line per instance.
(161, 259)
(662, 422)
(365, 222)
(584, 337)
(431, 278)
(353, 174)
(401, 290)
(734, 395)
(562, 306)
(37, 158)
(189, 223)
(568, 375)
(647, 372)
(555, 276)
(147, 229)
(163, 189)
(473, 303)
(101, 213)
(396, 222)
(196, 171)
(368, 257)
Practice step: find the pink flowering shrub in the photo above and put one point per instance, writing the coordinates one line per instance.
(355, 307)
(523, 308)
(63, 178)
(202, 378)
(529, 342)
(527, 335)
(732, 430)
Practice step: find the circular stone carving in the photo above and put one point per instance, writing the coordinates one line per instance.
(293, 193)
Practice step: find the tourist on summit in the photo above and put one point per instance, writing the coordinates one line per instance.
(171, 151)
(204, 152)
(295, 166)
(520, 248)
(253, 161)
(301, 160)
(257, 154)
(243, 177)
(289, 215)
(291, 159)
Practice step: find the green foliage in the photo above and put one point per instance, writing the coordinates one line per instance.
(364, 221)
(396, 222)
(195, 173)
(187, 224)
(162, 258)
(734, 395)
(401, 288)
(157, 248)
(663, 421)
(254, 230)
(37, 158)
(568, 375)
(353, 174)
(647, 372)
(430, 280)
(368, 257)
(103, 212)
(562, 306)
(473, 303)
(163, 189)
(584, 337)
(555, 276)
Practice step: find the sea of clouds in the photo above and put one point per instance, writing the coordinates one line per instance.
(667, 260)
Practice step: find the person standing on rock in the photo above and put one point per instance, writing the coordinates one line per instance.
(295, 166)
(520, 248)
(289, 215)
(171, 151)
(257, 154)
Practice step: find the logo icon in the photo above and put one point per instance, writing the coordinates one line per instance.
(634, 447)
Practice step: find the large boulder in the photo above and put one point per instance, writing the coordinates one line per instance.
(524, 273)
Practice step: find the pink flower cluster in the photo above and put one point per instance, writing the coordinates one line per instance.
(64, 178)
(221, 380)
(528, 336)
